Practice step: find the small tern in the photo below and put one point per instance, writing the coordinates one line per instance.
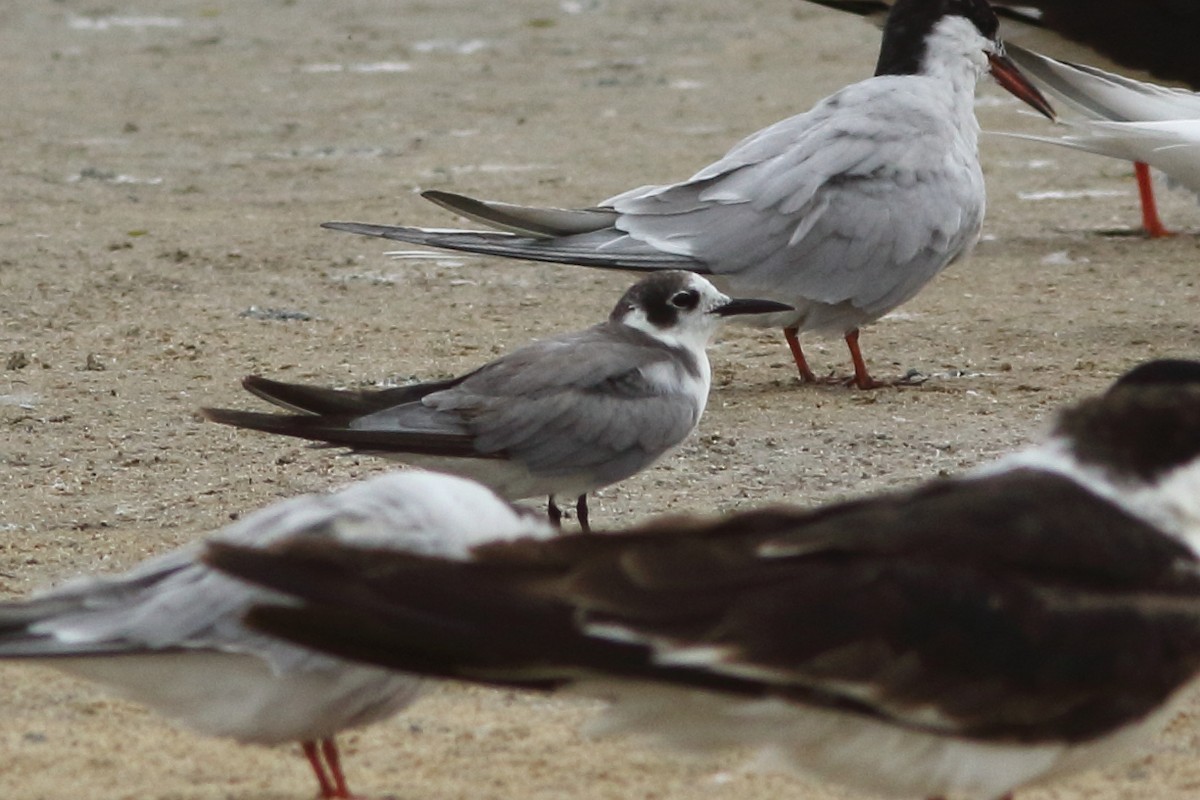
(1153, 37)
(843, 212)
(562, 416)
(1037, 617)
(168, 633)
(1136, 121)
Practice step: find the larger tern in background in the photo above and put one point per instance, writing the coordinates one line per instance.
(562, 416)
(168, 633)
(964, 639)
(843, 212)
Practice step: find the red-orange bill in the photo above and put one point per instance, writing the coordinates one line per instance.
(1014, 81)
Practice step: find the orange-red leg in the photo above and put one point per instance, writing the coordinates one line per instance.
(334, 761)
(314, 759)
(1150, 219)
(862, 378)
(793, 340)
(329, 771)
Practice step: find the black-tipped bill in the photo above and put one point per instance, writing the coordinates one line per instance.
(740, 306)
(1015, 83)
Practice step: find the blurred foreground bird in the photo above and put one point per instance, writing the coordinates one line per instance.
(168, 633)
(562, 416)
(843, 212)
(975, 635)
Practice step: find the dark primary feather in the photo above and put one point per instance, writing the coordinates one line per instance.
(1015, 608)
(335, 430)
(528, 220)
(597, 249)
(320, 400)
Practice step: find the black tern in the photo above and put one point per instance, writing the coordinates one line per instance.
(844, 212)
(963, 639)
(562, 416)
(168, 633)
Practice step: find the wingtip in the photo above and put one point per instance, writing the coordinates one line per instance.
(437, 195)
(340, 226)
(218, 415)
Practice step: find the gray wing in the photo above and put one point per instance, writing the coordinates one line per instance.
(175, 601)
(584, 401)
(863, 199)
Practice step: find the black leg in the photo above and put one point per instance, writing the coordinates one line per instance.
(581, 512)
(553, 513)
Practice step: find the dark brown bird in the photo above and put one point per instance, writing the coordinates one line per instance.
(1037, 617)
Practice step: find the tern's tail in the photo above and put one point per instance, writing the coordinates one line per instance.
(306, 399)
(339, 431)
(586, 237)
(333, 417)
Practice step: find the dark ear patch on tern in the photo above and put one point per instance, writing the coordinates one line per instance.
(656, 297)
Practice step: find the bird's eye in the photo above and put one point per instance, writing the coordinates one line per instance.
(687, 299)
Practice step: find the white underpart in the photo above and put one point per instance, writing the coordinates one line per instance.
(857, 751)
(918, 756)
(1171, 502)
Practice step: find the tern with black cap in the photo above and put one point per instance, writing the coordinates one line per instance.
(843, 212)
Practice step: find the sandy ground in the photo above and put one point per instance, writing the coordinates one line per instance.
(166, 165)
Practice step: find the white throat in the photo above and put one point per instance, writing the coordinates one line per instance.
(955, 53)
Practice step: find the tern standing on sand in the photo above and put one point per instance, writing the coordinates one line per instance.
(843, 212)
